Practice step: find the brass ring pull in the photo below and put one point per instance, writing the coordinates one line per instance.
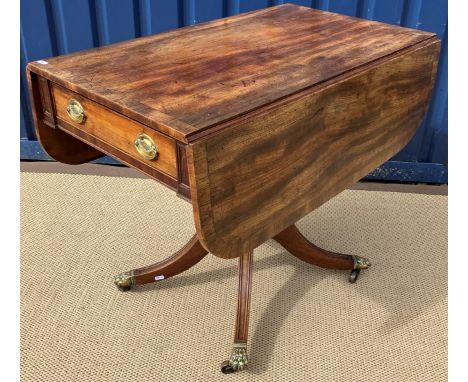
(146, 146)
(75, 111)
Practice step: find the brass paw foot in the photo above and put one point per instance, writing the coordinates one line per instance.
(359, 263)
(124, 281)
(237, 361)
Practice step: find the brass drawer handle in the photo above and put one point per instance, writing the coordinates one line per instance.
(146, 146)
(75, 111)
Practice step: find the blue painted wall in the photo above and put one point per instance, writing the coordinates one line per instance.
(54, 27)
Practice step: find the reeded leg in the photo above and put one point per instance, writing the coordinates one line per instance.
(294, 242)
(238, 359)
(190, 254)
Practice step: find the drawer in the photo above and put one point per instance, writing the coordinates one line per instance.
(130, 137)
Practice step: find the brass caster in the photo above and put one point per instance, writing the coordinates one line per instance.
(226, 368)
(359, 263)
(124, 281)
(238, 360)
(354, 275)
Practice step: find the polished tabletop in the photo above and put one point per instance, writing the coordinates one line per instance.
(190, 79)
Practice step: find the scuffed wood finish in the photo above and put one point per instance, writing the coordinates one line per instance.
(116, 130)
(266, 115)
(260, 174)
(296, 244)
(191, 79)
(185, 258)
(244, 292)
(259, 119)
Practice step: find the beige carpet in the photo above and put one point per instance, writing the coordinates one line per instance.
(307, 324)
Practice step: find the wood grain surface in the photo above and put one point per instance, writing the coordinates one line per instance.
(116, 130)
(297, 245)
(55, 142)
(185, 258)
(261, 174)
(188, 80)
(274, 112)
(69, 143)
(244, 292)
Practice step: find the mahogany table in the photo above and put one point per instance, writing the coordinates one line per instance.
(256, 120)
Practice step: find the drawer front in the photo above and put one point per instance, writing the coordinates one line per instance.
(136, 140)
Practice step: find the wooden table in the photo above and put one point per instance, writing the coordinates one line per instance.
(256, 120)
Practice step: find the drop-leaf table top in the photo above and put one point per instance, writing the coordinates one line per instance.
(258, 119)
